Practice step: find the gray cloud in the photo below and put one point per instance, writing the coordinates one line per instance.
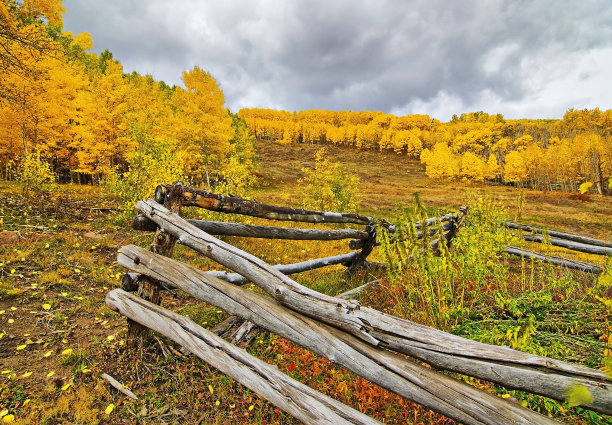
(520, 58)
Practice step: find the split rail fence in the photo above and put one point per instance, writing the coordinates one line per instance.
(386, 350)
(558, 238)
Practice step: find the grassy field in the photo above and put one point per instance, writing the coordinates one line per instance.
(57, 336)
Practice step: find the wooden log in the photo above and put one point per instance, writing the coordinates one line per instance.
(404, 377)
(163, 243)
(236, 205)
(558, 261)
(129, 282)
(220, 228)
(295, 398)
(434, 220)
(540, 375)
(574, 246)
(289, 269)
(359, 243)
(366, 250)
(226, 325)
(558, 234)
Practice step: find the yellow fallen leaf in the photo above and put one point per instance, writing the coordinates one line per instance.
(109, 409)
(110, 337)
(46, 306)
(4, 372)
(1, 335)
(217, 403)
(25, 375)
(46, 245)
(65, 387)
(8, 419)
(505, 395)
(64, 341)
(13, 308)
(3, 413)
(210, 388)
(21, 347)
(26, 334)
(50, 374)
(47, 354)
(11, 321)
(67, 351)
(251, 407)
(2, 311)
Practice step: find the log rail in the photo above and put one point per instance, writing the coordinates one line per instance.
(360, 339)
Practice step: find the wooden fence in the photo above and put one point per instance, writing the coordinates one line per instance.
(363, 340)
(570, 241)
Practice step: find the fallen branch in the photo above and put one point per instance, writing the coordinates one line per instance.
(297, 399)
(558, 261)
(119, 387)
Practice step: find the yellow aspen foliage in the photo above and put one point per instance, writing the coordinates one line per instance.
(515, 169)
(522, 142)
(202, 123)
(440, 162)
(472, 167)
(492, 167)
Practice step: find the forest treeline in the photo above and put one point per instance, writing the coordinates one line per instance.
(78, 114)
(543, 154)
(81, 116)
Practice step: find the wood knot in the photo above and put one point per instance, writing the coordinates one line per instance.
(136, 260)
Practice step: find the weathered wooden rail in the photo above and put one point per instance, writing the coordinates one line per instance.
(361, 339)
(562, 239)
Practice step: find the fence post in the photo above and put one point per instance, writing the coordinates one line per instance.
(163, 244)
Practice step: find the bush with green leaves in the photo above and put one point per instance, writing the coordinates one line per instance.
(151, 164)
(35, 174)
(328, 186)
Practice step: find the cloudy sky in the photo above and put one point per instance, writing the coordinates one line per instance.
(524, 59)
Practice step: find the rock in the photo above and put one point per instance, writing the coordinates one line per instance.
(8, 237)
(93, 236)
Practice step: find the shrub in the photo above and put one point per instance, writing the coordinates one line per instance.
(327, 186)
(35, 174)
